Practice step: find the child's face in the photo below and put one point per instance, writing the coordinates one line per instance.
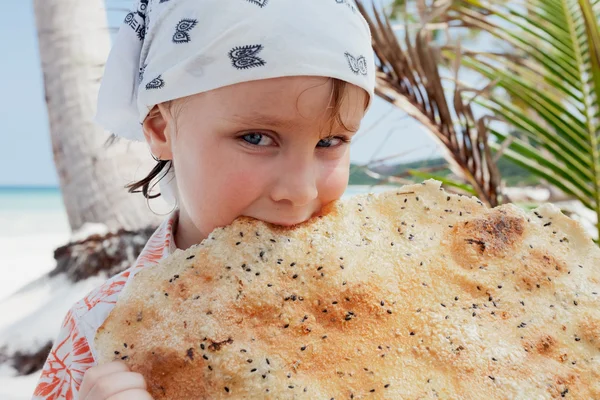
(263, 149)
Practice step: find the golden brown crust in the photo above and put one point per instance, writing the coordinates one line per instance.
(413, 294)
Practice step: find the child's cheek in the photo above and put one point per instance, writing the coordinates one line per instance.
(243, 184)
(333, 179)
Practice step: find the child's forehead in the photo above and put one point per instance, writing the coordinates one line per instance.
(278, 96)
(281, 102)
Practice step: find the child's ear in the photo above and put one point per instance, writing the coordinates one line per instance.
(157, 130)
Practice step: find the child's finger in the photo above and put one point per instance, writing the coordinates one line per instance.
(133, 394)
(93, 374)
(110, 385)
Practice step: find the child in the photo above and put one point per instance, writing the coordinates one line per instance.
(248, 106)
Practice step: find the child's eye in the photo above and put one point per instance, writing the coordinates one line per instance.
(257, 139)
(331, 142)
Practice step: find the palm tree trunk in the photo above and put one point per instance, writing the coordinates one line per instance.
(74, 43)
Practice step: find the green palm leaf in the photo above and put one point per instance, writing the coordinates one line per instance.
(556, 74)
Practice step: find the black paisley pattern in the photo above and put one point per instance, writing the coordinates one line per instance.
(156, 83)
(245, 57)
(358, 65)
(182, 30)
(260, 3)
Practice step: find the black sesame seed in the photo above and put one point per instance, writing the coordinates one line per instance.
(226, 389)
(387, 386)
(190, 257)
(125, 358)
(303, 348)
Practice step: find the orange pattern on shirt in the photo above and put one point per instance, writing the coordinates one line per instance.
(71, 354)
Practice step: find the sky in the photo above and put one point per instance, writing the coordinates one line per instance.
(27, 158)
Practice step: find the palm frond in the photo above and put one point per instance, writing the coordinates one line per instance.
(408, 76)
(555, 71)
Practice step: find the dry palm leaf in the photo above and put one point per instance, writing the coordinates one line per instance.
(409, 78)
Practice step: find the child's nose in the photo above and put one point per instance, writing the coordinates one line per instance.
(296, 183)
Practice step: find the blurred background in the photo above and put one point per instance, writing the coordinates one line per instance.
(495, 98)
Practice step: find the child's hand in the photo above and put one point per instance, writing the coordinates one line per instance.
(113, 381)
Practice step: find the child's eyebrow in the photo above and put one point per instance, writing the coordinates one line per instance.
(270, 120)
(264, 120)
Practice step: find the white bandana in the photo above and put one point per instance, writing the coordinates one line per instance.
(168, 49)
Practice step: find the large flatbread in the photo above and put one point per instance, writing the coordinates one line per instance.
(410, 294)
